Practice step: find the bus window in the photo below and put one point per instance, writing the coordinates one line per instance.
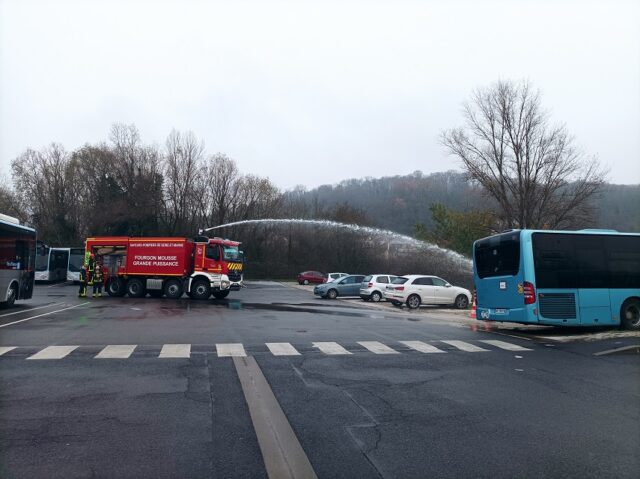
(42, 258)
(553, 261)
(498, 255)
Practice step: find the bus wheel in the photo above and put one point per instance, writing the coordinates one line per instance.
(630, 314)
(173, 289)
(135, 288)
(221, 294)
(13, 294)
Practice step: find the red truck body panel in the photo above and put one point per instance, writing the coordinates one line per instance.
(147, 256)
(159, 257)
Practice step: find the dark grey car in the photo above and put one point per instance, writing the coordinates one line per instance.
(347, 286)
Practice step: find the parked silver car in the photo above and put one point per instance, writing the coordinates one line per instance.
(347, 286)
(373, 286)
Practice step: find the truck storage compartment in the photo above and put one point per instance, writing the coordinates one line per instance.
(159, 257)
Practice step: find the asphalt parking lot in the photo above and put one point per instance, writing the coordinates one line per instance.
(276, 383)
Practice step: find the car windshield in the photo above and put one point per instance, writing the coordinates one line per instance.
(400, 280)
(230, 253)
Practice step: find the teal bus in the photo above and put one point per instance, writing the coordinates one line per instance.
(564, 278)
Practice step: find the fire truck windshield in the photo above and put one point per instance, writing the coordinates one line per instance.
(230, 253)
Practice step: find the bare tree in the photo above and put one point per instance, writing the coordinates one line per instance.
(182, 165)
(222, 174)
(528, 166)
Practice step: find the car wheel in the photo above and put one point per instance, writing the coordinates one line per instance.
(630, 314)
(200, 289)
(305, 282)
(135, 288)
(173, 289)
(462, 302)
(332, 294)
(375, 296)
(413, 301)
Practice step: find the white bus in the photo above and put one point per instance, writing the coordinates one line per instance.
(17, 260)
(76, 259)
(51, 263)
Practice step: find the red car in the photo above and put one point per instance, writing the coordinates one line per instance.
(307, 277)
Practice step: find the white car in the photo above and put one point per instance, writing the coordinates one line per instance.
(331, 277)
(416, 289)
(373, 286)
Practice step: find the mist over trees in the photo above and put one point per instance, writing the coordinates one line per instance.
(123, 186)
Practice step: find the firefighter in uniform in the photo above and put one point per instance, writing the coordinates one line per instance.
(97, 281)
(83, 282)
(91, 267)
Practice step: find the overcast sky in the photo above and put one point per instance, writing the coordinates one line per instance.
(314, 92)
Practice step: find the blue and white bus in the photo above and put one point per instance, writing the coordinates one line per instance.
(565, 278)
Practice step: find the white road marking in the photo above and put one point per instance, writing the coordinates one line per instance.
(27, 310)
(377, 347)
(175, 351)
(422, 347)
(462, 346)
(44, 314)
(6, 349)
(116, 351)
(53, 352)
(282, 349)
(330, 348)
(230, 350)
(504, 345)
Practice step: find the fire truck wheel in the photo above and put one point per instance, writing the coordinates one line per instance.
(200, 289)
(135, 288)
(221, 294)
(173, 289)
(115, 287)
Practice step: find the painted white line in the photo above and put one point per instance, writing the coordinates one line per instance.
(422, 347)
(618, 350)
(282, 349)
(377, 347)
(462, 346)
(116, 351)
(175, 351)
(53, 352)
(44, 314)
(6, 349)
(504, 345)
(230, 350)
(330, 348)
(27, 310)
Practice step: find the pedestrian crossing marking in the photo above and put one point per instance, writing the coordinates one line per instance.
(463, 346)
(116, 351)
(282, 349)
(175, 351)
(377, 347)
(504, 345)
(231, 350)
(126, 351)
(422, 347)
(330, 348)
(5, 349)
(53, 352)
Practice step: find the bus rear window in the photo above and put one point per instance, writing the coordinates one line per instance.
(498, 255)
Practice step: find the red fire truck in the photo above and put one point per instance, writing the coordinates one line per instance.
(168, 266)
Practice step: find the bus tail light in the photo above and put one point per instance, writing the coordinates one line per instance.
(529, 293)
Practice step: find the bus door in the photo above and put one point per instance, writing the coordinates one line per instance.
(499, 288)
(593, 280)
